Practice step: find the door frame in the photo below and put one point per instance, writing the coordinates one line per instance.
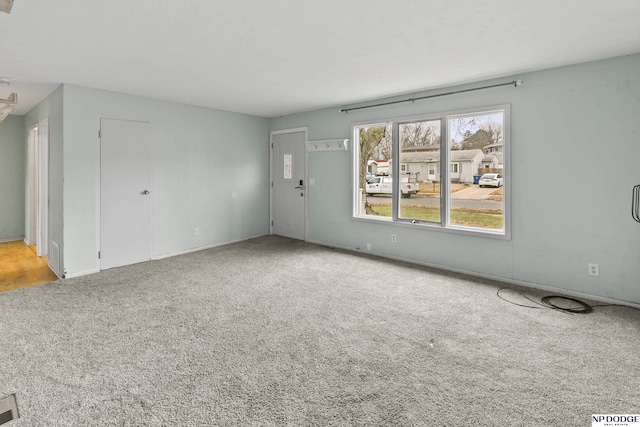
(37, 188)
(306, 177)
(42, 238)
(31, 193)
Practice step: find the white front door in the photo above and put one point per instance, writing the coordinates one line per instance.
(125, 193)
(288, 171)
(431, 174)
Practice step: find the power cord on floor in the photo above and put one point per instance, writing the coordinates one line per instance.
(548, 303)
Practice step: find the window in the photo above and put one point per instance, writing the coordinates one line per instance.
(287, 166)
(426, 194)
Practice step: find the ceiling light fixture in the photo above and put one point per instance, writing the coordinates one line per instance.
(8, 105)
(6, 5)
(8, 81)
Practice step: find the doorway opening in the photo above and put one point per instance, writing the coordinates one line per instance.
(21, 267)
(26, 263)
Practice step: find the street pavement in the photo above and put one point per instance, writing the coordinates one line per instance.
(471, 198)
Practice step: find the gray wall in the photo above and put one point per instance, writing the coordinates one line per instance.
(13, 153)
(200, 156)
(575, 152)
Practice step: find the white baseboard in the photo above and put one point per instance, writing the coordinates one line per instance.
(521, 283)
(11, 239)
(93, 271)
(202, 248)
(80, 273)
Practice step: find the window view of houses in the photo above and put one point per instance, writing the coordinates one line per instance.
(474, 170)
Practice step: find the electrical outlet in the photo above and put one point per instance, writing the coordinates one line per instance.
(394, 238)
(368, 246)
(594, 270)
(196, 231)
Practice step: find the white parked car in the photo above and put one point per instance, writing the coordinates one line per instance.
(383, 185)
(491, 180)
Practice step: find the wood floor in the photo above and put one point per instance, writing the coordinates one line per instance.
(20, 267)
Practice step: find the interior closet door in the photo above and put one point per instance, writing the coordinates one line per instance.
(126, 231)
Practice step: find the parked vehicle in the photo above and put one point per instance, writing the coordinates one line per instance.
(384, 185)
(491, 180)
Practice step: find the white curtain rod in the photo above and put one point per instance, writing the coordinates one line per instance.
(515, 83)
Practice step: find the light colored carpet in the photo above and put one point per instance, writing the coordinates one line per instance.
(275, 332)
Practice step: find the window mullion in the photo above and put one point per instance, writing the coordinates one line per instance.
(445, 173)
(395, 170)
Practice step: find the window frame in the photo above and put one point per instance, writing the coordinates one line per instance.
(443, 173)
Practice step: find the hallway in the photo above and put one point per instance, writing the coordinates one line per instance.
(20, 266)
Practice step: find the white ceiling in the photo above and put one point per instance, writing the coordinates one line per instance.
(271, 58)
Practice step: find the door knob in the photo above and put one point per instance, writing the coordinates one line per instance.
(145, 192)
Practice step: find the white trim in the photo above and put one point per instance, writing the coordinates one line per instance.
(506, 171)
(432, 226)
(31, 201)
(202, 248)
(37, 187)
(42, 239)
(521, 283)
(516, 282)
(80, 273)
(13, 239)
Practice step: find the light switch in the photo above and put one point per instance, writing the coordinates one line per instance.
(312, 181)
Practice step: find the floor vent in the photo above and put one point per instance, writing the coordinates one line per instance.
(8, 409)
